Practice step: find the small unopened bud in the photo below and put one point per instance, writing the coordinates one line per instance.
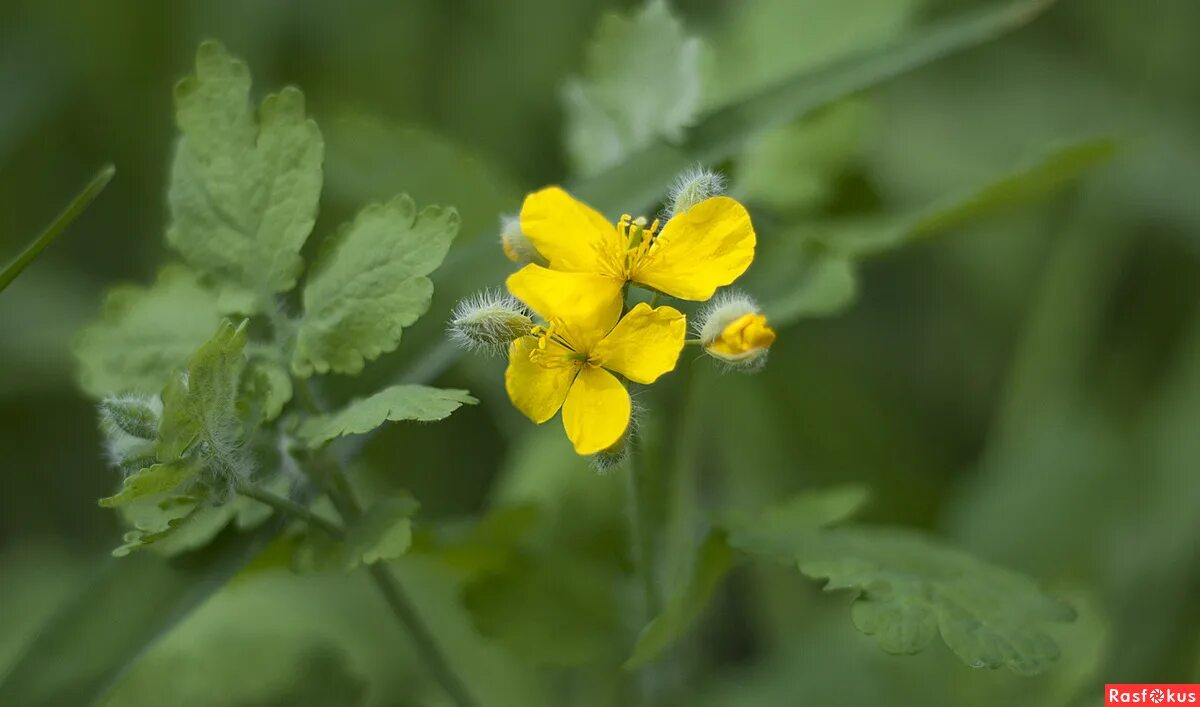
(693, 186)
(129, 424)
(488, 321)
(134, 415)
(517, 246)
(734, 331)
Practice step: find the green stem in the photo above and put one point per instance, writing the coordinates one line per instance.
(287, 506)
(64, 219)
(348, 506)
(655, 298)
(641, 542)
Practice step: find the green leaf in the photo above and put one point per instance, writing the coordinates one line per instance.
(642, 84)
(145, 333)
(908, 589)
(775, 530)
(398, 403)
(1030, 182)
(151, 481)
(56, 227)
(795, 167)
(370, 283)
(267, 388)
(244, 190)
(384, 532)
(826, 253)
(713, 562)
(115, 616)
(638, 182)
(201, 404)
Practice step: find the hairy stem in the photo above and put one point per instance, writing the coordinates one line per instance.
(288, 507)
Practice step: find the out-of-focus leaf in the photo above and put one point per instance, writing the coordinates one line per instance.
(98, 634)
(371, 282)
(145, 333)
(794, 168)
(714, 559)
(639, 181)
(399, 402)
(909, 589)
(757, 43)
(642, 84)
(384, 532)
(56, 227)
(777, 529)
(1033, 181)
(809, 270)
(551, 610)
(370, 160)
(244, 191)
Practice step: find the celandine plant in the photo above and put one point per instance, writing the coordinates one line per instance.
(210, 381)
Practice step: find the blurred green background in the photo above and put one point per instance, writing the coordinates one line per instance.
(1028, 388)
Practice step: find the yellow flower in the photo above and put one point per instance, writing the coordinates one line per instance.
(744, 338)
(705, 247)
(567, 364)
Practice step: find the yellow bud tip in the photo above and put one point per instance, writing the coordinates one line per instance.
(745, 337)
(509, 251)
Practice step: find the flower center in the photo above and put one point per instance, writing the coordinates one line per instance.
(641, 243)
(553, 350)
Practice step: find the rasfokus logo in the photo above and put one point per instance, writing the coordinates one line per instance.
(1151, 694)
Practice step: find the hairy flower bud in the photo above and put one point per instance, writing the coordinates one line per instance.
(693, 186)
(517, 246)
(489, 321)
(129, 424)
(734, 331)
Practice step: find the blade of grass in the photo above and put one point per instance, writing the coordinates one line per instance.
(56, 227)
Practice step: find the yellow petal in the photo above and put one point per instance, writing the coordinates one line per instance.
(571, 234)
(708, 246)
(536, 390)
(583, 307)
(644, 345)
(747, 336)
(596, 412)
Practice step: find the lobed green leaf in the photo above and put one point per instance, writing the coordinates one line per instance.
(370, 284)
(244, 191)
(642, 84)
(145, 333)
(151, 481)
(383, 532)
(398, 403)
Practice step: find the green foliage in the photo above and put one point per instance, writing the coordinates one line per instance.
(145, 333)
(642, 84)
(826, 253)
(370, 283)
(714, 559)
(909, 588)
(136, 417)
(384, 532)
(398, 403)
(200, 404)
(151, 481)
(244, 188)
